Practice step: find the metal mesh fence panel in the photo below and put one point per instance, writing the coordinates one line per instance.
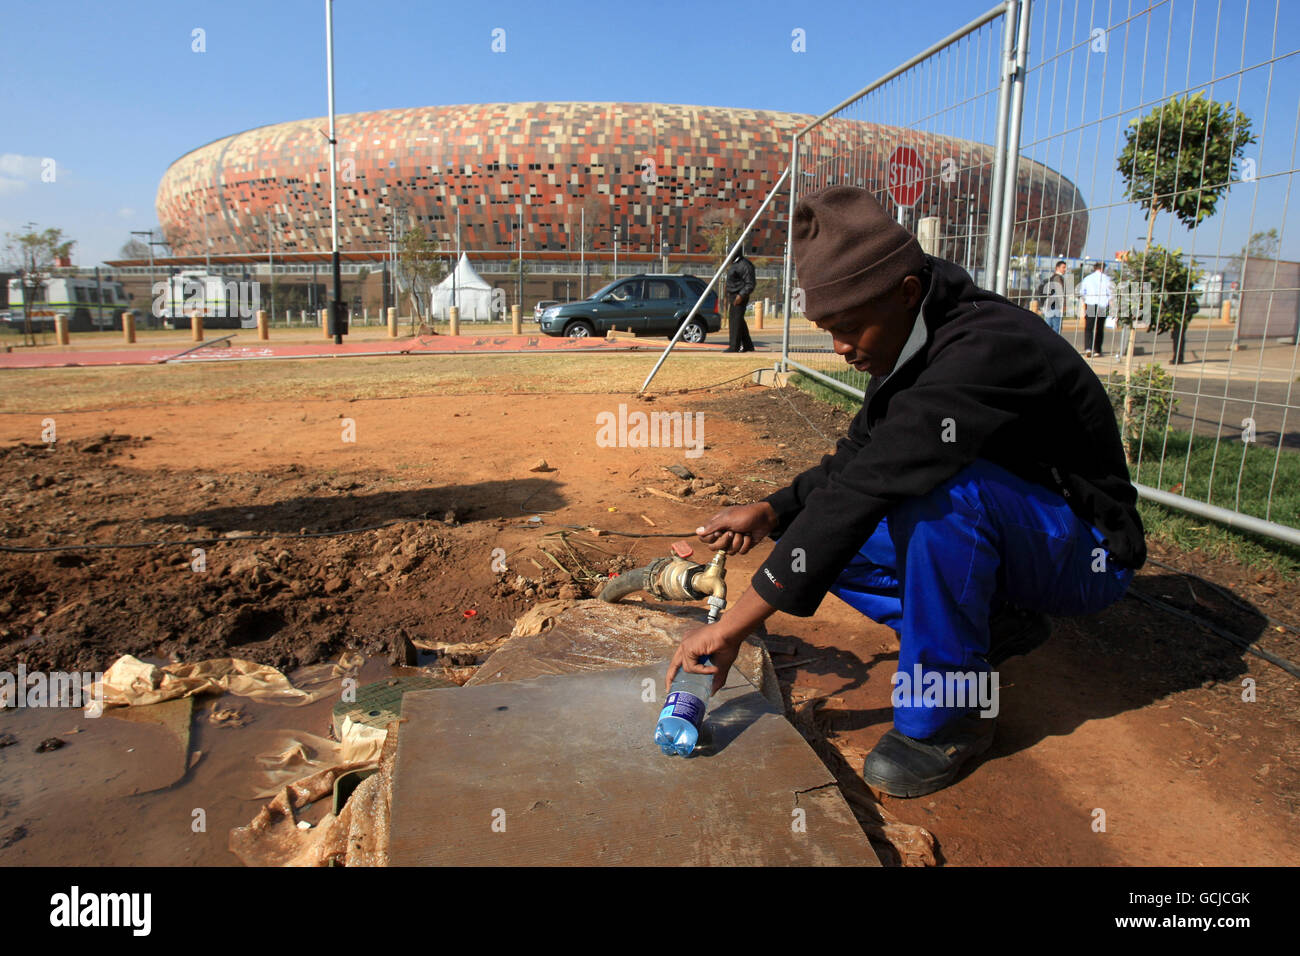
(1176, 124)
(922, 139)
(1124, 169)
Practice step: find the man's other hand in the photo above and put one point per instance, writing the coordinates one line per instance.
(738, 528)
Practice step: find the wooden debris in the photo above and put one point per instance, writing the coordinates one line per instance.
(664, 494)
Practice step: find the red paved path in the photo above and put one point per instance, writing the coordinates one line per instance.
(69, 356)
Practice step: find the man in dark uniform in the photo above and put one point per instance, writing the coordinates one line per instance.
(981, 487)
(740, 283)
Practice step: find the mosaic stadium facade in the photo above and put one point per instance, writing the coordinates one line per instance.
(651, 170)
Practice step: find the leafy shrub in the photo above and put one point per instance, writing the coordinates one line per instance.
(1152, 401)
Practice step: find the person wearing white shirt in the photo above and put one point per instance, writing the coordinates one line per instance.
(1097, 292)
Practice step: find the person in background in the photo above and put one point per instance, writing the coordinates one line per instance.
(1097, 292)
(740, 283)
(1052, 294)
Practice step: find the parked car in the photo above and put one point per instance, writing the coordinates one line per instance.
(649, 304)
(542, 306)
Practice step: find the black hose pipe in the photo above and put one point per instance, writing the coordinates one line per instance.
(625, 584)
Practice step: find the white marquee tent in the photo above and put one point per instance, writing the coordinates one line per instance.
(473, 296)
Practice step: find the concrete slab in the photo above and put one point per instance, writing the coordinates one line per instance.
(563, 771)
(595, 636)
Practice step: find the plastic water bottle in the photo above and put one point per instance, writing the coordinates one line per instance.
(680, 720)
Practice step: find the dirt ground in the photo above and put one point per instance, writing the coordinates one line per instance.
(1135, 712)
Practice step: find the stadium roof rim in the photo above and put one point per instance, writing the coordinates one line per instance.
(339, 117)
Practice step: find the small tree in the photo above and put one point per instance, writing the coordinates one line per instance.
(36, 254)
(1182, 157)
(719, 229)
(1262, 245)
(419, 268)
(1166, 281)
(1144, 404)
(588, 226)
(133, 248)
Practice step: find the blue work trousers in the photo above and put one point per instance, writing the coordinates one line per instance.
(938, 564)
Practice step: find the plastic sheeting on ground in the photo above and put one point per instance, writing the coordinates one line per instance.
(296, 756)
(130, 681)
(357, 836)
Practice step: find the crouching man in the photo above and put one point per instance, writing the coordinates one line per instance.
(981, 487)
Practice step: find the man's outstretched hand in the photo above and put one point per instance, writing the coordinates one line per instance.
(712, 640)
(735, 529)
(738, 528)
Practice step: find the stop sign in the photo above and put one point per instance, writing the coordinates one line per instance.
(905, 174)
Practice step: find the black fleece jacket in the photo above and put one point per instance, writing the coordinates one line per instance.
(741, 277)
(992, 381)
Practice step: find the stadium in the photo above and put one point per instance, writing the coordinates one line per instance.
(539, 179)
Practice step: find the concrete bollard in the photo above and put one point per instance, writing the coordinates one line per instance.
(263, 325)
(516, 326)
(927, 235)
(758, 316)
(323, 315)
(392, 322)
(61, 328)
(1226, 314)
(128, 327)
(453, 320)
(196, 326)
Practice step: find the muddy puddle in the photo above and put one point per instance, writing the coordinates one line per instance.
(123, 792)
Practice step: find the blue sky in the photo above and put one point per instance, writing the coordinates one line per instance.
(114, 92)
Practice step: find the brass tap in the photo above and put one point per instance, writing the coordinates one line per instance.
(712, 582)
(677, 579)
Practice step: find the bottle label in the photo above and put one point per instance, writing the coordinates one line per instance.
(684, 705)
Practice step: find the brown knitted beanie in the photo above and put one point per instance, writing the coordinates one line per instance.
(848, 250)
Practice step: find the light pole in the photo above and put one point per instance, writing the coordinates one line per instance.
(523, 198)
(270, 262)
(337, 316)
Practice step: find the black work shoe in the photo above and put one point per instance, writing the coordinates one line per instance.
(1015, 631)
(903, 766)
